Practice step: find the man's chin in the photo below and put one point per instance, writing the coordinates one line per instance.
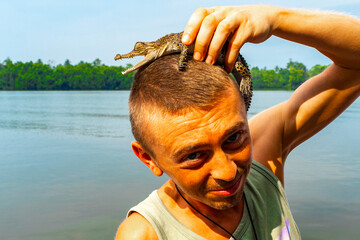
(227, 203)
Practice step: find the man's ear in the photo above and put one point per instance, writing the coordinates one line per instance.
(146, 158)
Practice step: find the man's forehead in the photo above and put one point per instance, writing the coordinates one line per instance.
(152, 112)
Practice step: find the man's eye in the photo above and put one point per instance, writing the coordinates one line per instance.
(235, 141)
(233, 138)
(193, 156)
(194, 160)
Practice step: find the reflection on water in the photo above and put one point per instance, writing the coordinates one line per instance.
(72, 113)
(67, 170)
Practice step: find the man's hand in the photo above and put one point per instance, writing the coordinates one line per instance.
(277, 131)
(212, 27)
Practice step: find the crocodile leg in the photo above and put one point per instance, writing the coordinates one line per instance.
(183, 56)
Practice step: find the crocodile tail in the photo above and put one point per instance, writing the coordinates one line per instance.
(243, 61)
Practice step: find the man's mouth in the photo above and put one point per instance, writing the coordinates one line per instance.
(230, 190)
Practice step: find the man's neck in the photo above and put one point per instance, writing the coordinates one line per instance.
(184, 213)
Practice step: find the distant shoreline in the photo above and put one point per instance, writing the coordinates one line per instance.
(37, 76)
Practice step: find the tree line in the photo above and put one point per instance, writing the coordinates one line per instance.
(82, 76)
(97, 76)
(288, 78)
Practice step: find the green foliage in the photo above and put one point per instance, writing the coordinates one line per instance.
(97, 76)
(288, 78)
(83, 76)
(315, 70)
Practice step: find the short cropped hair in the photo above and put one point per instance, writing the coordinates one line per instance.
(161, 87)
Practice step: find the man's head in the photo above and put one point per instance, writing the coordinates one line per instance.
(161, 88)
(192, 126)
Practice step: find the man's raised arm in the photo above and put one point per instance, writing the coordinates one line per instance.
(321, 99)
(313, 105)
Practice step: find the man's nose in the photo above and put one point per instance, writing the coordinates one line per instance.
(223, 168)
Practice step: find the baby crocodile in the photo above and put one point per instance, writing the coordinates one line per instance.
(171, 43)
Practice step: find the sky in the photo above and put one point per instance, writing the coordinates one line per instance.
(56, 30)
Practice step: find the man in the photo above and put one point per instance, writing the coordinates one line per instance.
(227, 174)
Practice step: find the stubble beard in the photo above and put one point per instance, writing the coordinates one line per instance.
(227, 202)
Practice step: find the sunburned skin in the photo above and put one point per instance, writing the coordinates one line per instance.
(191, 146)
(205, 153)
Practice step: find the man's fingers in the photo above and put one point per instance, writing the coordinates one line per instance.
(204, 37)
(193, 25)
(223, 31)
(235, 44)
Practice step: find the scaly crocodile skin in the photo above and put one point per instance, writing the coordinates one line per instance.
(171, 43)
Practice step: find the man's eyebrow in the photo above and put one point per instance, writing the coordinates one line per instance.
(190, 148)
(194, 147)
(233, 129)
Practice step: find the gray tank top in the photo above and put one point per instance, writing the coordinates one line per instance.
(266, 201)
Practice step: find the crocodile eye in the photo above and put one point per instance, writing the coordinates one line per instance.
(139, 45)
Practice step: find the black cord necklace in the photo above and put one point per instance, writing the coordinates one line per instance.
(204, 215)
(247, 207)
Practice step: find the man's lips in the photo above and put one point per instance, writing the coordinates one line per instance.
(229, 190)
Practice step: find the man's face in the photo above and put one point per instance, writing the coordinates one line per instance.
(206, 153)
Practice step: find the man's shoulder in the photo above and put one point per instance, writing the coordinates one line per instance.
(136, 227)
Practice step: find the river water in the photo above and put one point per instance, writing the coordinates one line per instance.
(67, 170)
